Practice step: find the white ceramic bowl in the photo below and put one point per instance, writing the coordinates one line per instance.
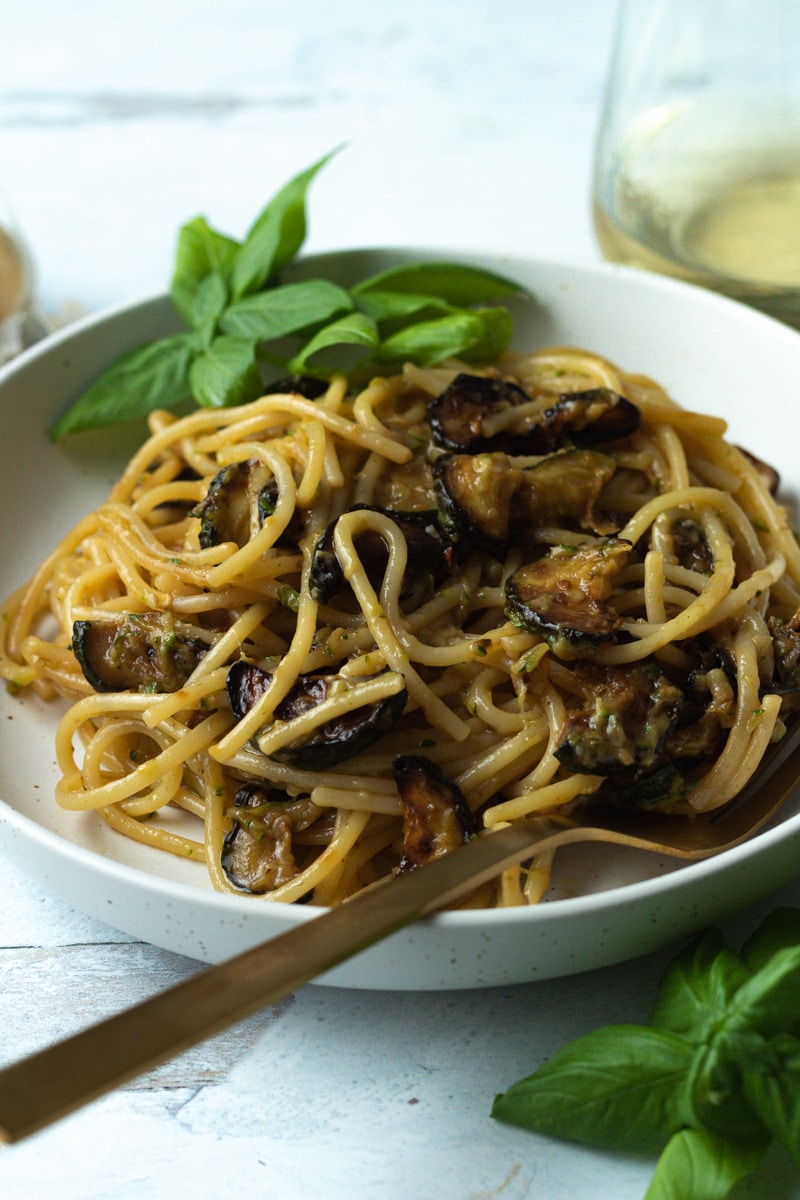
(711, 354)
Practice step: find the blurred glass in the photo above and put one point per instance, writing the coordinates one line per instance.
(17, 320)
(15, 266)
(697, 164)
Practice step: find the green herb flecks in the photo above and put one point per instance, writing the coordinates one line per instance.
(708, 1083)
(243, 320)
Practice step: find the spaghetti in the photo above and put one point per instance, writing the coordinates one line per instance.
(501, 591)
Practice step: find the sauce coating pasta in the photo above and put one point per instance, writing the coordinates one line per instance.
(339, 632)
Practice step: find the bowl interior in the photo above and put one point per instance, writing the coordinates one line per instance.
(711, 354)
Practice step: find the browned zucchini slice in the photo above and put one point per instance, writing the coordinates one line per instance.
(486, 500)
(334, 741)
(663, 789)
(625, 719)
(565, 487)
(475, 492)
(426, 546)
(436, 817)
(691, 546)
(786, 655)
(643, 727)
(309, 386)
(257, 853)
(786, 649)
(226, 511)
(588, 418)
(563, 595)
(458, 418)
(239, 498)
(457, 414)
(147, 651)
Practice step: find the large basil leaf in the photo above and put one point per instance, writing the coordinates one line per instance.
(275, 236)
(398, 308)
(697, 987)
(772, 1090)
(284, 310)
(355, 329)
(226, 374)
(455, 283)
(622, 1087)
(210, 301)
(427, 343)
(498, 329)
(768, 1002)
(152, 376)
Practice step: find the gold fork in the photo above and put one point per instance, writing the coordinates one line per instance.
(48, 1085)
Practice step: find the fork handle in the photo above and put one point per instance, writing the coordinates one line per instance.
(55, 1081)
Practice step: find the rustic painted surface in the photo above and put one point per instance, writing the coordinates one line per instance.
(469, 123)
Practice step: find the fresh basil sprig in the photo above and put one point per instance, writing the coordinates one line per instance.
(709, 1081)
(242, 319)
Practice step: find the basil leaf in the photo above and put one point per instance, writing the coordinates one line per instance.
(621, 1087)
(228, 293)
(702, 1166)
(427, 343)
(767, 1003)
(715, 1090)
(498, 328)
(779, 930)
(226, 374)
(355, 329)
(697, 988)
(284, 310)
(399, 307)
(152, 376)
(275, 236)
(774, 1094)
(200, 251)
(210, 300)
(455, 283)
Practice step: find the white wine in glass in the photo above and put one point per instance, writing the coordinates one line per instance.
(697, 170)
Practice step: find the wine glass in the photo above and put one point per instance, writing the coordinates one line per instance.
(16, 285)
(697, 162)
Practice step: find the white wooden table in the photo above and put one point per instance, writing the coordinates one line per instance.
(468, 123)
